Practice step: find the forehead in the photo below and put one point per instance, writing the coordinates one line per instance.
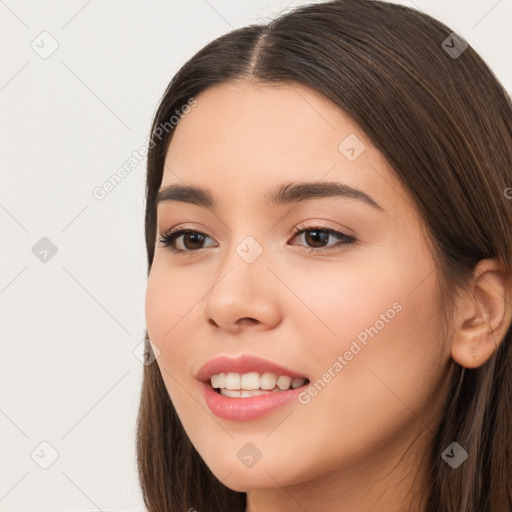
(249, 137)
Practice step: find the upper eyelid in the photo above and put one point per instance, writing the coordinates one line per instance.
(296, 230)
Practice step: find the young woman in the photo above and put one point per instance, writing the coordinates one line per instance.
(329, 239)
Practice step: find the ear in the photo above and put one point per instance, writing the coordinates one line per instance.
(484, 314)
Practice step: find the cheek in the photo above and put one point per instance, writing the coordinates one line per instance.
(387, 337)
(169, 312)
(379, 315)
(390, 285)
(158, 302)
(345, 300)
(170, 297)
(171, 322)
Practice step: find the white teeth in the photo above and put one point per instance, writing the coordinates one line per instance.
(250, 381)
(218, 379)
(234, 393)
(284, 382)
(230, 384)
(298, 382)
(232, 381)
(268, 381)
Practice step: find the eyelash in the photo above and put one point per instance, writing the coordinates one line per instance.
(167, 239)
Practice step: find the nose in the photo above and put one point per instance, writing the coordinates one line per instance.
(243, 296)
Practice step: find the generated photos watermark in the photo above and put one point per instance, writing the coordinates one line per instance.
(343, 360)
(101, 191)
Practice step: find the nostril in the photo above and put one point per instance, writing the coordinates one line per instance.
(238, 323)
(248, 320)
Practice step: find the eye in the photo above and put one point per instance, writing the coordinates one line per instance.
(319, 236)
(192, 240)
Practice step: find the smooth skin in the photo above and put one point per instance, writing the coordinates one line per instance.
(345, 450)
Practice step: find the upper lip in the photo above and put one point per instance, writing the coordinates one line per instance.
(244, 363)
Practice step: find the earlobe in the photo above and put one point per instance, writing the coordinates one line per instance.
(484, 314)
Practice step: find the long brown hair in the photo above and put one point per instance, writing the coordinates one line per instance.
(444, 122)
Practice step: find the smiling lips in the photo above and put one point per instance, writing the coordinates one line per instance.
(247, 387)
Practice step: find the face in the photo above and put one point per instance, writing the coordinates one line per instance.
(355, 310)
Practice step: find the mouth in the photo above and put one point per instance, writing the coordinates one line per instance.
(236, 385)
(246, 387)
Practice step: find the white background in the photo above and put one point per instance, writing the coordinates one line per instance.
(69, 326)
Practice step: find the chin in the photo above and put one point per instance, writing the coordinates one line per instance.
(241, 480)
(264, 474)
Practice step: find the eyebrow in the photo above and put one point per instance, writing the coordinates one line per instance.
(284, 194)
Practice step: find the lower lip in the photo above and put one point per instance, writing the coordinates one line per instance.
(247, 408)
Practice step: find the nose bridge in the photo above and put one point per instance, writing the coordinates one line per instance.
(243, 267)
(241, 287)
(247, 237)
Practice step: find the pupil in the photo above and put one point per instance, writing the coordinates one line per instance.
(315, 234)
(195, 237)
